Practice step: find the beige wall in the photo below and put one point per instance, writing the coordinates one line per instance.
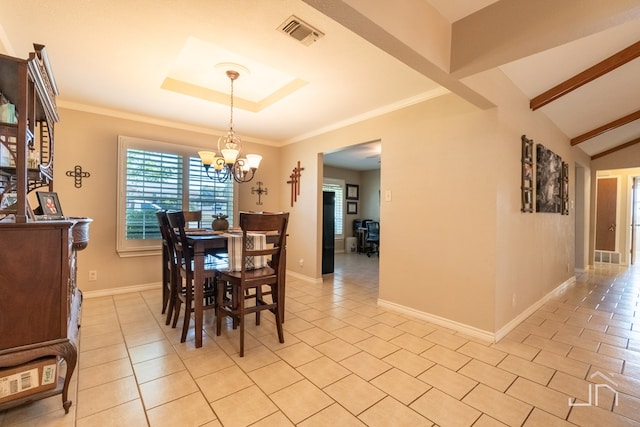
(432, 267)
(91, 141)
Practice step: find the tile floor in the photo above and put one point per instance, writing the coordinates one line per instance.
(347, 362)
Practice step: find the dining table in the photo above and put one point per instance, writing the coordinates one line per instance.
(207, 241)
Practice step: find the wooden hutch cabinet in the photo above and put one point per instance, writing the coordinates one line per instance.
(39, 300)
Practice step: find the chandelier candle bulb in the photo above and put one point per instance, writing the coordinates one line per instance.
(207, 157)
(230, 155)
(254, 160)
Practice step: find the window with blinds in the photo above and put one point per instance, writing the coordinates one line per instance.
(154, 175)
(154, 181)
(337, 187)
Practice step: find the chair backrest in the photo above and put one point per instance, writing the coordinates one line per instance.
(264, 223)
(163, 223)
(192, 216)
(373, 231)
(179, 237)
(165, 231)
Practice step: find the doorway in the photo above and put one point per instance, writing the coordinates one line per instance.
(357, 168)
(616, 236)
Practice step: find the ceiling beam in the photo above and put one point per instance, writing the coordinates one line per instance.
(614, 149)
(603, 67)
(606, 128)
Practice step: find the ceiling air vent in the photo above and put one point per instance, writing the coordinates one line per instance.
(300, 30)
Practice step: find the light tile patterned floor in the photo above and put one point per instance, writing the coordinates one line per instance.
(347, 362)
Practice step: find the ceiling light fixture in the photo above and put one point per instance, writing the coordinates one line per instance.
(227, 162)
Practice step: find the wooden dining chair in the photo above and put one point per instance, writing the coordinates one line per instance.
(168, 265)
(258, 284)
(184, 273)
(191, 217)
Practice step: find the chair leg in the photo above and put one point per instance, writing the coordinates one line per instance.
(165, 297)
(176, 313)
(258, 298)
(241, 320)
(187, 319)
(276, 312)
(172, 296)
(220, 305)
(170, 309)
(236, 296)
(166, 284)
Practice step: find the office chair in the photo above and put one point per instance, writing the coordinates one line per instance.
(373, 238)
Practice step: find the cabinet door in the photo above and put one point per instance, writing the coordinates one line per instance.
(33, 285)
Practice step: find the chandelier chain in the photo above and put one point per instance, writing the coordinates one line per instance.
(231, 116)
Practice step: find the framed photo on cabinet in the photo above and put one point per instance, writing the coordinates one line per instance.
(49, 204)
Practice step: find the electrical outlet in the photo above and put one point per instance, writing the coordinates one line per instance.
(93, 275)
(301, 262)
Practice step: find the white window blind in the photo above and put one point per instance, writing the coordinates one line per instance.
(338, 189)
(154, 181)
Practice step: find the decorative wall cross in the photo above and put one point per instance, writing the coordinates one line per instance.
(295, 183)
(259, 191)
(78, 174)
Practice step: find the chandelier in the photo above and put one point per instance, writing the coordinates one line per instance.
(227, 162)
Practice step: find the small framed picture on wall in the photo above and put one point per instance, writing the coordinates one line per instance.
(353, 192)
(352, 208)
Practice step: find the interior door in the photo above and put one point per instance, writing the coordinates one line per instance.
(606, 202)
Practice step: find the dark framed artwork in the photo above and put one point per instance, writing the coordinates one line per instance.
(353, 192)
(50, 204)
(548, 180)
(526, 185)
(352, 208)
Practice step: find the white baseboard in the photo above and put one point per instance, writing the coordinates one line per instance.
(303, 277)
(122, 290)
(502, 332)
(158, 285)
(471, 330)
(441, 321)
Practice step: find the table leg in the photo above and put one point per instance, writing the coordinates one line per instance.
(198, 295)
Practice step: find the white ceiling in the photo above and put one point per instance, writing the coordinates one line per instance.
(113, 57)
